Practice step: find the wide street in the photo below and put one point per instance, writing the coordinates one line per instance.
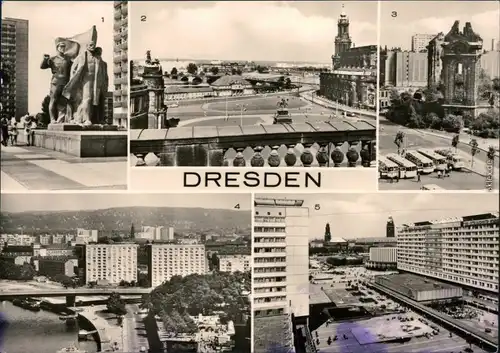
(33, 168)
(472, 178)
(134, 331)
(256, 110)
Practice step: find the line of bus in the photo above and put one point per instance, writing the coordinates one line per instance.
(424, 164)
(407, 169)
(387, 168)
(438, 160)
(454, 159)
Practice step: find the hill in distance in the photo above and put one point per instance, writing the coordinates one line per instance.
(121, 218)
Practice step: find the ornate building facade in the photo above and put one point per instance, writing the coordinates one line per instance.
(353, 80)
(454, 66)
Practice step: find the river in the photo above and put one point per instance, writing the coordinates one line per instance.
(38, 332)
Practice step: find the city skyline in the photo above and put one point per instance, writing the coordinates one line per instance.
(17, 203)
(274, 31)
(365, 215)
(43, 30)
(413, 18)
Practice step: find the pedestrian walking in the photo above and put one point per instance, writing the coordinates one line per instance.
(418, 176)
(4, 124)
(29, 129)
(13, 132)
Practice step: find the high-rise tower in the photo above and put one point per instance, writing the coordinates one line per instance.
(14, 85)
(343, 41)
(390, 229)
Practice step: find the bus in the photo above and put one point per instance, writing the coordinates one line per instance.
(407, 169)
(454, 159)
(438, 160)
(424, 164)
(387, 168)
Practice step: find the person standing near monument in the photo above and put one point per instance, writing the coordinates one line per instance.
(88, 77)
(60, 66)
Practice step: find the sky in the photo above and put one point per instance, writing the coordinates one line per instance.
(432, 17)
(219, 30)
(51, 19)
(365, 215)
(96, 201)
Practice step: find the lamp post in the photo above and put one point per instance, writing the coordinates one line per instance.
(242, 107)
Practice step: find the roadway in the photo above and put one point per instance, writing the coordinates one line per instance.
(468, 179)
(478, 335)
(134, 332)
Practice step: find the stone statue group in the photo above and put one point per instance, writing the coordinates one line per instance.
(79, 81)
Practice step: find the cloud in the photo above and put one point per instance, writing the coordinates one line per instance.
(242, 31)
(484, 23)
(48, 20)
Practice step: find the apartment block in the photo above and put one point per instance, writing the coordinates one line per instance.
(281, 258)
(120, 64)
(111, 262)
(462, 250)
(419, 42)
(234, 263)
(14, 59)
(168, 260)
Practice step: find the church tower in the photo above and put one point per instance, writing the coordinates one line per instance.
(342, 40)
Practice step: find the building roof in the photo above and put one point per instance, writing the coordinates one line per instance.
(57, 246)
(183, 89)
(337, 240)
(477, 217)
(417, 283)
(272, 333)
(229, 80)
(18, 248)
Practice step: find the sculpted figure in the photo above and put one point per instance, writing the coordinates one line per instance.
(88, 84)
(60, 65)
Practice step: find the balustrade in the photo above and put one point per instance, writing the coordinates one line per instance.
(326, 144)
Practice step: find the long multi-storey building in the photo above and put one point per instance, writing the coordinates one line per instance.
(120, 64)
(234, 263)
(280, 265)
(14, 61)
(168, 260)
(405, 69)
(110, 262)
(385, 255)
(461, 250)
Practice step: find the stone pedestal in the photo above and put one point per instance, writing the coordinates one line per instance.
(83, 143)
(76, 127)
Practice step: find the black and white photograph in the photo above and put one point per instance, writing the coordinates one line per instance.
(375, 273)
(157, 273)
(439, 95)
(64, 95)
(253, 84)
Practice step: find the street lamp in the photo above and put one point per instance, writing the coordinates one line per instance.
(242, 107)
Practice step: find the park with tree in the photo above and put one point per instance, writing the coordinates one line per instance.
(423, 109)
(176, 300)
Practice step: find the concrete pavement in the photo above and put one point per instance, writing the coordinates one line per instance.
(31, 168)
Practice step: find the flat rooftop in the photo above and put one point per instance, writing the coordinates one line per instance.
(416, 283)
(272, 333)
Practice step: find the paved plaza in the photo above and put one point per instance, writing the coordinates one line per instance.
(470, 178)
(32, 168)
(366, 336)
